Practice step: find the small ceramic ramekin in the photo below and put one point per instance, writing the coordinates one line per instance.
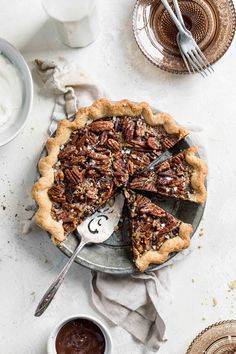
(51, 347)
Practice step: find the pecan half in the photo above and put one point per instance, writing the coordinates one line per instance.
(140, 128)
(128, 128)
(152, 209)
(103, 138)
(67, 152)
(152, 143)
(80, 142)
(98, 156)
(73, 175)
(131, 167)
(113, 144)
(143, 183)
(57, 193)
(100, 126)
(167, 143)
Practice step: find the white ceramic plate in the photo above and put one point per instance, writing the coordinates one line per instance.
(15, 57)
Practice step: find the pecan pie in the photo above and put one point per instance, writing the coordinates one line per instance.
(90, 158)
(181, 176)
(154, 232)
(94, 157)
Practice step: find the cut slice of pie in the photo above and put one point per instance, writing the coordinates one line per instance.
(91, 159)
(154, 232)
(182, 176)
(147, 142)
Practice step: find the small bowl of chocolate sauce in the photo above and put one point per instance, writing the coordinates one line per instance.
(81, 334)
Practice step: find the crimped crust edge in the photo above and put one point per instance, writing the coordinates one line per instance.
(198, 176)
(175, 244)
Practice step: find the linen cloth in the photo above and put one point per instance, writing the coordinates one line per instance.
(138, 303)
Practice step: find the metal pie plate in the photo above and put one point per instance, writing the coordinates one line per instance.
(114, 256)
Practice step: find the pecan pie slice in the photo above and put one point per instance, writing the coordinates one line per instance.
(154, 232)
(182, 177)
(146, 142)
(91, 158)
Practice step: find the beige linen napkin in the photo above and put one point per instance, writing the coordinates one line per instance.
(138, 303)
(71, 86)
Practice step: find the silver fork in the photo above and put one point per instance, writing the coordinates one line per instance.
(192, 55)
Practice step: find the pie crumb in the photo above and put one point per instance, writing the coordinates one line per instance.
(116, 228)
(203, 319)
(232, 284)
(214, 302)
(111, 202)
(201, 232)
(193, 280)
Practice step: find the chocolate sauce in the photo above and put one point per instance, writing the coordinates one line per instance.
(80, 336)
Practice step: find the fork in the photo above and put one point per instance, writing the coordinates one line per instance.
(192, 55)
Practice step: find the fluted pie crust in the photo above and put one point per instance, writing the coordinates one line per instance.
(160, 256)
(99, 109)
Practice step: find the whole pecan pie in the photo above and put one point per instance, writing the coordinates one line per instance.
(94, 157)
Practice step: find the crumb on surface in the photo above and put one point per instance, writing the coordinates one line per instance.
(214, 302)
(201, 232)
(232, 285)
(193, 280)
(111, 202)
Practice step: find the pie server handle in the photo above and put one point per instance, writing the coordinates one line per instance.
(52, 290)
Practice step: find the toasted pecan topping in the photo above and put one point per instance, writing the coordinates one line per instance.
(171, 178)
(98, 159)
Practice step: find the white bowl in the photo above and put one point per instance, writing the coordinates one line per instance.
(51, 348)
(15, 57)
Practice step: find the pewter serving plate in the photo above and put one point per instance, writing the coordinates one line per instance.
(114, 255)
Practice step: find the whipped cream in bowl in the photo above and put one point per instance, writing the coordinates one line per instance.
(16, 92)
(11, 92)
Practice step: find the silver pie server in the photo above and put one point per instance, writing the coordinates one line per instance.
(95, 229)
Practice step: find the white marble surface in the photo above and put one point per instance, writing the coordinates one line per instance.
(29, 263)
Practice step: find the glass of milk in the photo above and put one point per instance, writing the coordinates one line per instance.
(76, 21)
